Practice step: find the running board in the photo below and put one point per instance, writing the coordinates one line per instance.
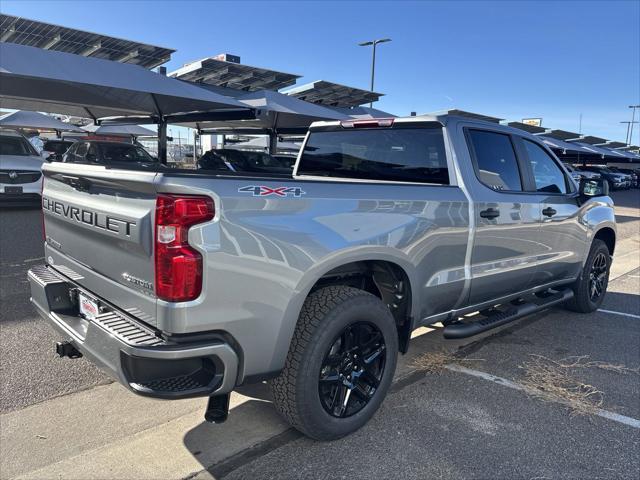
(495, 318)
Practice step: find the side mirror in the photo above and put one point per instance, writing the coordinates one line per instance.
(590, 188)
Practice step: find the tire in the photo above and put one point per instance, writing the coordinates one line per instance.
(308, 403)
(583, 300)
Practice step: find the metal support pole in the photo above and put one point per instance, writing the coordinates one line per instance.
(195, 145)
(626, 138)
(373, 69)
(273, 142)
(162, 141)
(633, 118)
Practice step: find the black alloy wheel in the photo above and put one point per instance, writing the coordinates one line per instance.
(597, 276)
(352, 369)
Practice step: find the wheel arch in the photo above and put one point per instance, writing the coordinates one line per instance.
(343, 268)
(608, 236)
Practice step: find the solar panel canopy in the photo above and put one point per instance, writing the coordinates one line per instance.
(591, 140)
(561, 134)
(333, 94)
(464, 113)
(527, 127)
(612, 144)
(227, 71)
(47, 36)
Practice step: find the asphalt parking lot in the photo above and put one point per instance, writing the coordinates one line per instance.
(456, 410)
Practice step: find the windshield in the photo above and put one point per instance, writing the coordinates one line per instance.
(397, 154)
(118, 153)
(16, 146)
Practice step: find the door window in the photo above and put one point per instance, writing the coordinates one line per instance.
(496, 162)
(548, 175)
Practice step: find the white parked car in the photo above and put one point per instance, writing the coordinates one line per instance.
(20, 169)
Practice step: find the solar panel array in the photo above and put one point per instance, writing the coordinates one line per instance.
(333, 94)
(33, 33)
(222, 73)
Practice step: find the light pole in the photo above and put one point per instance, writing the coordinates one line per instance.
(633, 117)
(373, 43)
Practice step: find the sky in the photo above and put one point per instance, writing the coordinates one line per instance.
(509, 59)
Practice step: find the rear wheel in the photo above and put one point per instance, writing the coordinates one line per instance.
(340, 363)
(591, 286)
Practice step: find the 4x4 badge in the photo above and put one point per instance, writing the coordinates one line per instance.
(263, 191)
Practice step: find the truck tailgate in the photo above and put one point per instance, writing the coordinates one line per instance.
(98, 225)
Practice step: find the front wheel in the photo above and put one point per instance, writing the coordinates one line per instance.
(340, 363)
(591, 286)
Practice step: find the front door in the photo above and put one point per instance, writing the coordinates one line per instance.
(506, 245)
(562, 237)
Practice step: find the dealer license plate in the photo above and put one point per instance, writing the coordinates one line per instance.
(88, 307)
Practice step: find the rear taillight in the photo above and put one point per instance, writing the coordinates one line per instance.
(178, 265)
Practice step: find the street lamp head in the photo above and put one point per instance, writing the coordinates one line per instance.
(365, 44)
(383, 40)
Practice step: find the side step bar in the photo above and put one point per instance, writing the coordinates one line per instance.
(496, 318)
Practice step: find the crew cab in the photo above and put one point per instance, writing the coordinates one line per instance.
(191, 283)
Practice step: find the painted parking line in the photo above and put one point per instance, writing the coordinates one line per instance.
(616, 417)
(631, 315)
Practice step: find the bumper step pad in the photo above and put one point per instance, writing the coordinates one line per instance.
(128, 331)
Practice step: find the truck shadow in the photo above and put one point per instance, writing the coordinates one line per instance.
(252, 427)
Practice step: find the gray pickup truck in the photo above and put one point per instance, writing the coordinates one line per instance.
(191, 283)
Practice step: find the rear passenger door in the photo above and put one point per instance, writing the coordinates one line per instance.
(561, 236)
(505, 245)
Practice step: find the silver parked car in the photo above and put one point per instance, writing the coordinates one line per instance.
(20, 169)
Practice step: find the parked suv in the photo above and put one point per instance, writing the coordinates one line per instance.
(616, 181)
(632, 174)
(20, 176)
(99, 152)
(577, 172)
(184, 283)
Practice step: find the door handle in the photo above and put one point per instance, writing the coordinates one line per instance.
(549, 212)
(490, 213)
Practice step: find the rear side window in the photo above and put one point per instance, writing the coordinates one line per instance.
(394, 154)
(548, 175)
(496, 160)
